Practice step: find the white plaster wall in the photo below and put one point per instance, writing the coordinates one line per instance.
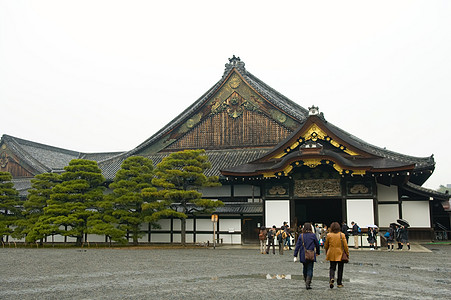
(277, 212)
(387, 193)
(178, 224)
(360, 211)
(229, 224)
(388, 213)
(204, 225)
(95, 238)
(230, 238)
(160, 237)
(416, 213)
(165, 225)
(177, 238)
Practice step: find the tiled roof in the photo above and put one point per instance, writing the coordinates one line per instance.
(22, 185)
(420, 162)
(40, 157)
(426, 192)
(219, 159)
(277, 99)
(99, 156)
(44, 158)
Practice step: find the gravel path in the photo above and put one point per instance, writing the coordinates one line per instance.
(216, 274)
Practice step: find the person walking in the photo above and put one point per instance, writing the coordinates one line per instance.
(307, 241)
(335, 245)
(344, 229)
(281, 235)
(355, 233)
(270, 235)
(287, 241)
(404, 237)
(322, 237)
(371, 237)
(262, 237)
(391, 237)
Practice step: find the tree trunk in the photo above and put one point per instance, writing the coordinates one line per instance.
(183, 233)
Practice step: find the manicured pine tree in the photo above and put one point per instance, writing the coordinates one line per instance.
(179, 177)
(41, 189)
(136, 174)
(75, 199)
(10, 205)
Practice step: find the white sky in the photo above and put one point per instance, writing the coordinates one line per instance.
(100, 76)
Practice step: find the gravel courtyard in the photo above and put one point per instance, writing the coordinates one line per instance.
(221, 273)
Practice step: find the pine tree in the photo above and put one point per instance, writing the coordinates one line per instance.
(136, 174)
(179, 177)
(41, 189)
(10, 205)
(75, 199)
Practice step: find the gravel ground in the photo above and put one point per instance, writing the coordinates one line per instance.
(220, 273)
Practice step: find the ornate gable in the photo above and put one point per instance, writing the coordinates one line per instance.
(11, 163)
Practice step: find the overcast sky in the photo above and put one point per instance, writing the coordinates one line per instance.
(100, 76)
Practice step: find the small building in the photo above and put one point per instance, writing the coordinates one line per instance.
(277, 161)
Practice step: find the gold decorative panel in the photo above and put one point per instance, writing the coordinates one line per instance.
(317, 188)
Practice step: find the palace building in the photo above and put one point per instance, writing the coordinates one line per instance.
(277, 162)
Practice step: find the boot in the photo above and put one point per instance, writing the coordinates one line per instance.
(308, 281)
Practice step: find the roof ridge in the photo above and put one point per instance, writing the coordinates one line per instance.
(44, 146)
(27, 157)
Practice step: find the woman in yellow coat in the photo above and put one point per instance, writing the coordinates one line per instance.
(335, 242)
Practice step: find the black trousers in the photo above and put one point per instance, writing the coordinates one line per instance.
(333, 267)
(271, 242)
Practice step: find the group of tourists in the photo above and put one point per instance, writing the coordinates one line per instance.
(282, 235)
(307, 248)
(398, 233)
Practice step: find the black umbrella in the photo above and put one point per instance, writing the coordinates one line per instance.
(403, 222)
(394, 224)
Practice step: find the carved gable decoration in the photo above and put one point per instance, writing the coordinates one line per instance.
(278, 190)
(317, 188)
(223, 131)
(234, 105)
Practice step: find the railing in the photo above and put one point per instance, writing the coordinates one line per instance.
(441, 233)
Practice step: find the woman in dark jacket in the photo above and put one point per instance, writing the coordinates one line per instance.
(306, 240)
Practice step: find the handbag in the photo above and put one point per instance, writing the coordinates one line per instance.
(308, 254)
(344, 256)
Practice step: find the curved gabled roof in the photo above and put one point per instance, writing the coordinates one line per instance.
(278, 100)
(346, 151)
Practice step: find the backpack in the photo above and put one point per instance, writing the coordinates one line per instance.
(387, 235)
(358, 229)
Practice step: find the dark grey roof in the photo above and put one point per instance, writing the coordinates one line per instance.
(409, 186)
(44, 158)
(420, 162)
(40, 157)
(22, 185)
(219, 160)
(99, 156)
(289, 107)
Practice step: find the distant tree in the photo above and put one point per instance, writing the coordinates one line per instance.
(41, 189)
(443, 189)
(10, 205)
(179, 177)
(74, 200)
(136, 174)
